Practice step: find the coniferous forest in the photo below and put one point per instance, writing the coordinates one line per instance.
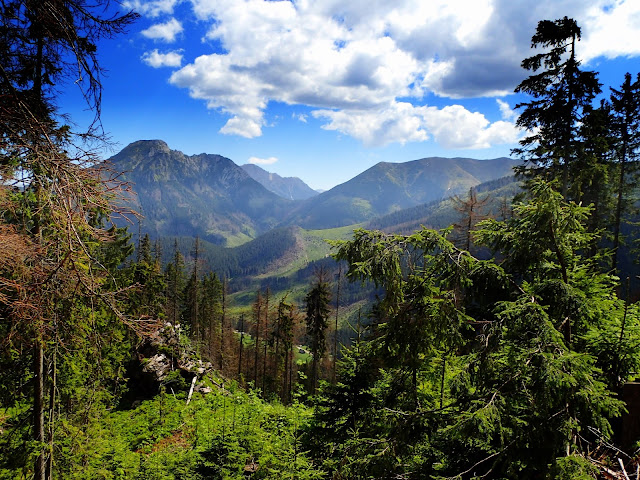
(503, 346)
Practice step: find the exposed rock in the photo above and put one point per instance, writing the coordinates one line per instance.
(162, 354)
(159, 365)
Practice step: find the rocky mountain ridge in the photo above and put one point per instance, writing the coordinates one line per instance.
(204, 195)
(389, 187)
(291, 188)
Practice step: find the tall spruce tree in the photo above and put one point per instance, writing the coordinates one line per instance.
(267, 296)
(192, 295)
(317, 319)
(283, 333)
(592, 176)
(257, 307)
(625, 107)
(175, 281)
(561, 91)
(147, 299)
(471, 212)
(210, 312)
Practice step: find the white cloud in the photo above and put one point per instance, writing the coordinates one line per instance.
(452, 126)
(262, 161)
(399, 122)
(165, 32)
(301, 117)
(152, 8)
(455, 127)
(156, 59)
(613, 31)
(243, 126)
(353, 60)
(506, 111)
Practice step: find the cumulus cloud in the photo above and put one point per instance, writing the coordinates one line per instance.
(165, 32)
(152, 8)
(452, 126)
(612, 31)
(506, 111)
(364, 65)
(455, 127)
(156, 59)
(301, 117)
(262, 161)
(400, 122)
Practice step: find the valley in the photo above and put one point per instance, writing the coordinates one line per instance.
(259, 239)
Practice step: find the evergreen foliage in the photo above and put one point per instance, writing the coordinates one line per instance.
(317, 320)
(561, 93)
(625, 139)
(479, 366)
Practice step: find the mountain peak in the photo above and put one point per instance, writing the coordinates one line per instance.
(150, 145)
(291, 188)
(143, 148)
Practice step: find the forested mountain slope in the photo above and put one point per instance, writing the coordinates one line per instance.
(262, 254)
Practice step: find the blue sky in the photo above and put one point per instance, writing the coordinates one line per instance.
(324, 89)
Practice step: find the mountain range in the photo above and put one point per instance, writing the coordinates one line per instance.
(389, 187)
(287, 187)
(212, 197)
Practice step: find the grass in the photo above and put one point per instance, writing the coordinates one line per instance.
(237, 239)
(315, 247)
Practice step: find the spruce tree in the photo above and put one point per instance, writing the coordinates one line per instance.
(317, 319)
(471, 212)
(283, 334)
(175, 281)
(257, 308)
(561, 91)
(625, 106)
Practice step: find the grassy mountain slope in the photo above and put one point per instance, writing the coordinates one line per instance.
(389, 187)
(442, 213)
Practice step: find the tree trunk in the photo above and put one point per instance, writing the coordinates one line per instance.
(38, 407)
(38, 354)
(52, 404)
(266, 332)
(335, 332)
